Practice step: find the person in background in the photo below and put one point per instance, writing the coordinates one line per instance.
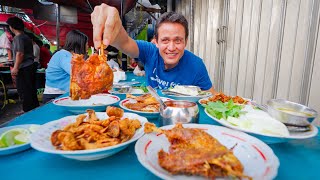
(48, 47)
(139, 70)
(36, 53)
(45, 56)
(59, 67)
(166, 62)
(133, 63)
(23, 68)
(112, 61)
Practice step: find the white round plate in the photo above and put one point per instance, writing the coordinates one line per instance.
(189, 98)
(15, 148)
(257, 158)
(40, 140)
(97, 102)
(150, 115)
(269, 139)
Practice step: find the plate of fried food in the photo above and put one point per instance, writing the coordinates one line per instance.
(199, 151)
(90, 136)
(224, 98)
(97, 102)
(145, 105)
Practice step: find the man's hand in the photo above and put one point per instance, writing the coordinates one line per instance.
(106, 25)
(14, 71)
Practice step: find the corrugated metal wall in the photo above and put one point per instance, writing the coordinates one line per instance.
(267, 48)
(203, 18)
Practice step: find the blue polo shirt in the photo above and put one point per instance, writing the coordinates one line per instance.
(189, 71)
(58, 71)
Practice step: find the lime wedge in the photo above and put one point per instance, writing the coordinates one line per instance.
(2, 145)
(21, 138)
(7, 138)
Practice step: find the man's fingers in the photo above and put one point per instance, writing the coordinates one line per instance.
(110, 26)
(98, 18)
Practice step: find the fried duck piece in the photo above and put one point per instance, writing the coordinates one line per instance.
(195, 152)
(114, 111)
(89, 77)
(146, 103)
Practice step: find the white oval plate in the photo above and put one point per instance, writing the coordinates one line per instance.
(40, 140)
(257, 158)
(141, 113)
(15, 148)
(269, 139)
(97, 102)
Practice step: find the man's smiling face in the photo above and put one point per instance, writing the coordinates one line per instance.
(171, 43)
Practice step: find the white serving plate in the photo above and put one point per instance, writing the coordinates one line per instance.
(40, 140)
(257, 158)
(267, 138)
(97, 102)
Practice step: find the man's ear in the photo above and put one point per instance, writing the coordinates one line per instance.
(156, 42)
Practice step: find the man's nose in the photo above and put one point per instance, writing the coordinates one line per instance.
(171, 46)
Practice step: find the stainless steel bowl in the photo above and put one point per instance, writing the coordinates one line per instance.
(122, 88)
(291, 113)
(179, 112)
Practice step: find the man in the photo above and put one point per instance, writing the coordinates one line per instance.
(167, 63)
(23, 65)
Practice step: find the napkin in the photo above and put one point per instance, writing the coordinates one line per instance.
(119, 75)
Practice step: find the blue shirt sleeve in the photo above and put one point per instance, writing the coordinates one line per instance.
(146, 50)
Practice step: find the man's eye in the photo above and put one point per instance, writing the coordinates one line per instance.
(178, 41)
(165, 40)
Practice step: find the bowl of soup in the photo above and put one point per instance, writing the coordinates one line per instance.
(179, 111)
(291, 113)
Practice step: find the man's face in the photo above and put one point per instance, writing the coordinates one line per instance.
(171, 43)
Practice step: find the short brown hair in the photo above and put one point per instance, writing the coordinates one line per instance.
(16, 23)
(172, 17)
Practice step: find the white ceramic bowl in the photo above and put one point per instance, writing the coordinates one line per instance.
(97, 102)
(40, 140)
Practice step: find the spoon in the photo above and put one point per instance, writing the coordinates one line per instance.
(163, 106)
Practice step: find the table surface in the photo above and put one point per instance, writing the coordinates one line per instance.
(299, 159)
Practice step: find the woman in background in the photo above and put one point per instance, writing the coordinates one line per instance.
(59, 66)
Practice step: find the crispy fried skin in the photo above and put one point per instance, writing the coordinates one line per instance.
(89, 77)
(146, 103)
(195, 152)
(224, 98)
(88, 132)
(114, 111)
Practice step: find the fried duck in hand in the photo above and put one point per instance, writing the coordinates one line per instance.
(89, 77)
(195, 152)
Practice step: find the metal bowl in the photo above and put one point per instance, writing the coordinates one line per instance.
(291, 113)
(122, 88)
(179, 112)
